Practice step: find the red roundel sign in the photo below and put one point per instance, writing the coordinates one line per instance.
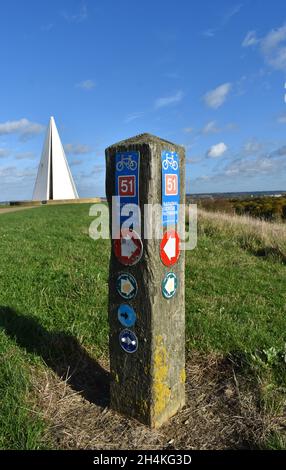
(128, 248)
(170, 248)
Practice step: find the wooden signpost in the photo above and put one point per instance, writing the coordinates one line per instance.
(146, 281)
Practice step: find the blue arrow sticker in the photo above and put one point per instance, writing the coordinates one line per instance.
(128, 341)
(126, 315)
(169, 285)
(126, 286)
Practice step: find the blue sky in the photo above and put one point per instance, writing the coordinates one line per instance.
(208, 75)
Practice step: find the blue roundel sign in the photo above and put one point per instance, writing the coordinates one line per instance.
(126, 315)
(126, 286)
(128, 341)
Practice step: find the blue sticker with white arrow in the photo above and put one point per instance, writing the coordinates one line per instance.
(128, 341)
(170, 188)
(126, 315)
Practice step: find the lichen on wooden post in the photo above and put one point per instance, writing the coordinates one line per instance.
(147, 382)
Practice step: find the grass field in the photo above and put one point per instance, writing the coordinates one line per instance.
(53, 310)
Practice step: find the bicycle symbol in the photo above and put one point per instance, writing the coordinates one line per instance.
(170, 161)
(126, 162)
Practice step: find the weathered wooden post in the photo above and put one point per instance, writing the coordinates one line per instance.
(147, 282)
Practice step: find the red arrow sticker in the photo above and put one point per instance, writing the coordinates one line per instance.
(128, 248)
(170, 248)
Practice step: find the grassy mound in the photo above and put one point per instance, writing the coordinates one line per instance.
(53, 319)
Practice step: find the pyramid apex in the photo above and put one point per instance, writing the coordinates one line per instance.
(54, 179)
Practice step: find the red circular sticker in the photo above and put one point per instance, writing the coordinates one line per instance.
(128, 248)
(170, 248)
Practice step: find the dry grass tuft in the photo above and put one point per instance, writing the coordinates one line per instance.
(222, 412)
(258, 236)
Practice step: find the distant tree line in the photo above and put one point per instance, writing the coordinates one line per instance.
(264, 207)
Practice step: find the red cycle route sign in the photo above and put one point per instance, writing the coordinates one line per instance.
(128, 248)
(170, 248)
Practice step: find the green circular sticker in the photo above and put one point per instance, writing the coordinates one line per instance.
(169, 285)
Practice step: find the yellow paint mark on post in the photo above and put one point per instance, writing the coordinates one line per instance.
(162, 392)
(183, 375)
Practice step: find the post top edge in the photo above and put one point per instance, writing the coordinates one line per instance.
(144, 138)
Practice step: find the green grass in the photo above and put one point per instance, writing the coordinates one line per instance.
(234, 301)
(53, 280)
(20, 427)
(51, 270)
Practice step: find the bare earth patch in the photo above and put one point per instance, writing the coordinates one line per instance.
(222, 412)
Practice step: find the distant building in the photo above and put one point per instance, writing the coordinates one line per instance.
(54, 179)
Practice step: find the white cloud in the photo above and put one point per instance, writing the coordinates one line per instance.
(252, 147)
(7, 170)
(217, 150)
(234, 10)
(169, 100)
(77, 149)
(209, 33)
(269, 165)
(188, 130)
(25, 156)
(231, 126)
(280, 152)
(172, 75)
(215, 98)
(12, 172)
(23, 127)
(133, 116)
(47, 27)
(86, 85)
(193, 160)
(225, 18)
(273, 47)
(75, 162)
(16, 183)
(282, 119)
(76, 17)
(251, 167)
(250, 39)
(264, 163)
(210, 128)
(4, 152)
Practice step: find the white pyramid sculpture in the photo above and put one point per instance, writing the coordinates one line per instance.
(54, 179)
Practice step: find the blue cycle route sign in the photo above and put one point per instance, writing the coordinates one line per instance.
(127, 182)
(170, 188)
